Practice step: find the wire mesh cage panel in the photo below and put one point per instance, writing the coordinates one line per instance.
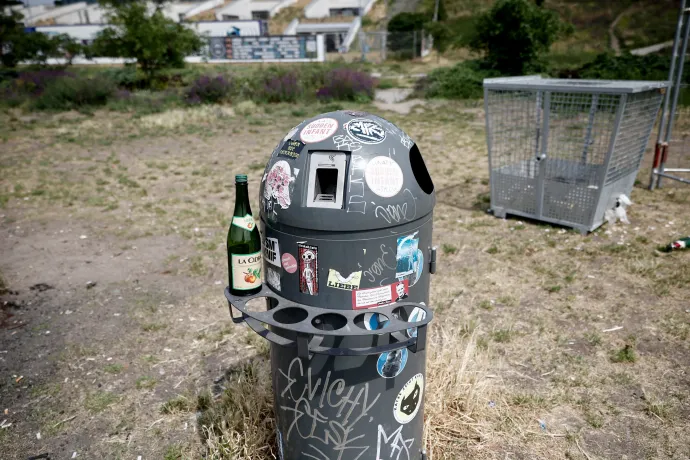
(562, 151)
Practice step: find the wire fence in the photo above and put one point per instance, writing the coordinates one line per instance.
(380, 46)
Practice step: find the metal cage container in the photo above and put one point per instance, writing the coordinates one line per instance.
(563, 151)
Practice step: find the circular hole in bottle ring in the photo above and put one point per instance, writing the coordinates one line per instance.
(410, 314)
(257, 304)
(290, 315)
(371, 321)
(329, 322)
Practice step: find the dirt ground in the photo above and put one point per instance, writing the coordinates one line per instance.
(115, 339)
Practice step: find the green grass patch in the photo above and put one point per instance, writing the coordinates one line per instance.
(178, 404)
(115, 368)
(448, 249)
(502, 335)
(145, 383)
(98, 402)
(625, 354)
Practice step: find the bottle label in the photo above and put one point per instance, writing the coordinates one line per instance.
(246, 222)
(246, 271)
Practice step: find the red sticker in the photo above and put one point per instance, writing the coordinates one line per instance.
(308, 269)
(289, 263)
(375, 297)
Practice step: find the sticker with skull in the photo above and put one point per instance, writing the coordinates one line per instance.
(308, 269)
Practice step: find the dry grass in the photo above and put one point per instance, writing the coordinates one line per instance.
(238, 424)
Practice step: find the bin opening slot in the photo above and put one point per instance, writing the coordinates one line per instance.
(326, 187)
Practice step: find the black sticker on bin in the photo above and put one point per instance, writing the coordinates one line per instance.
(291, 148)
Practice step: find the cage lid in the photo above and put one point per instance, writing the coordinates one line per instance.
(345, 171)
(536, 82)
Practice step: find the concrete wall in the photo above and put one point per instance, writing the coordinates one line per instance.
(211, 29)
(201, 7)
(69, 12)
(239, 8)
(322, 8)
(224, 28)
(243, 8)
(253, 56)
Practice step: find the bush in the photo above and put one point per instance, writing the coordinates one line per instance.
(627, 66)
(144, 102)
(29, 85)
(345, 84)
(208, 90)
(462, 81)
(404, 34)
(69, 92)
(280, 88)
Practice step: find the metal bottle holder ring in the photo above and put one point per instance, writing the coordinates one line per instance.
(313, 324)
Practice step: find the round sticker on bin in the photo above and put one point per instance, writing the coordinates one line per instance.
(374, 321)
(318, 130)
(392, 363)
(384, 176)
(289, 262)
(409, 400)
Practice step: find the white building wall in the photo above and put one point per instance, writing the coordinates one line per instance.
(224, 28)
(205, 6)
(59, 12)
(281, 5)
(78, 32)
(211, 29)
(322, 8)
(239, 8)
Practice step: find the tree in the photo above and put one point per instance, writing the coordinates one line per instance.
(11, 32)
(442, 34)
(155, 41)
(17, 45)
(402, 33)
(515, 35)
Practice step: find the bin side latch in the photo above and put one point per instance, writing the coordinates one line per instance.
(432, 260)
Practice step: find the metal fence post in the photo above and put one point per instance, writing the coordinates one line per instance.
(662, 123)
(674, 106)
(384, 46)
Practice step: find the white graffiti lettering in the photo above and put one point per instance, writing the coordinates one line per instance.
(342, 141)
(398, 212)
(394, 444)
(332, 433)
(379, 265)
(355, 190)
(406, 141)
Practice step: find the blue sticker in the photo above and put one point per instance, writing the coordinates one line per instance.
(365, 131)
(407, 256)
(418, 267)
(417, 315)
(392, 363)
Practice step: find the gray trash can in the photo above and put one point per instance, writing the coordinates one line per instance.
(346, 218)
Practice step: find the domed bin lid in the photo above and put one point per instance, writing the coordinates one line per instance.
(345, 171)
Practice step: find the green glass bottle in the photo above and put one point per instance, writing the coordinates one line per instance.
(244, 244)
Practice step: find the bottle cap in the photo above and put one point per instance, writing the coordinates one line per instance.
(240, 178)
